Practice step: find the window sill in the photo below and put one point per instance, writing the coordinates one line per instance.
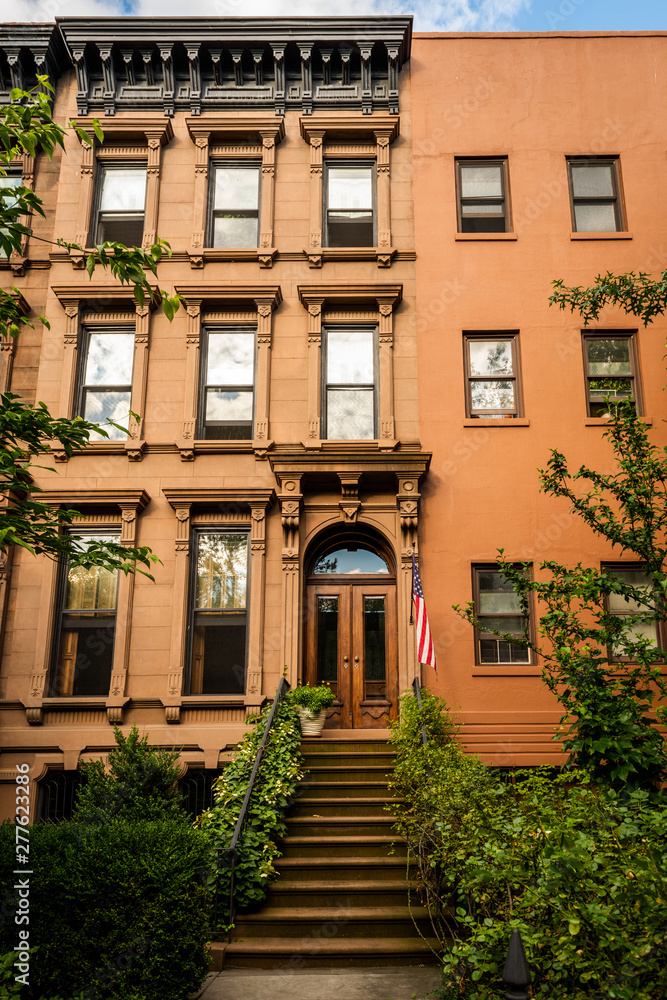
(506, 670)
(129, 446)
(200, 256)
(487, 422)
(601, 236)
(603, 421)
(498, 237)
(321, 255)
(112, 706)
(189, 449)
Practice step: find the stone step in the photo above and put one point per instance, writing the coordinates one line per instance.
(308, 806)
(340, 774)
(339, 826)
(349, 759)
(355, 789)
(340, 847)
(341, 893)
(347, 869)
(332, 922)
(321, 952)
(324, 745)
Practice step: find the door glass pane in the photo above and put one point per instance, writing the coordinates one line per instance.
(351, 560)
(490, 357)
(481, 182)
(592, 181)
(375, 665)
(351, 187)
(236, 188)
(222, 569)
(608, 357)
(592, 218)
(230, 359)
(123, 189)
(492, 395)
(350, 357)
(350, 414)
(109, 360)
(100, 407)
(327, 641)
(231, 232)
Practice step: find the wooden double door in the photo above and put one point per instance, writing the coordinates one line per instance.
(351, 643)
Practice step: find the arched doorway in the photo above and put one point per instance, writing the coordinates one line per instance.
(351, 639)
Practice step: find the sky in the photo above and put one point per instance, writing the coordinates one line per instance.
(430, 15)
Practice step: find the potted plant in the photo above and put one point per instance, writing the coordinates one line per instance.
(311, 703)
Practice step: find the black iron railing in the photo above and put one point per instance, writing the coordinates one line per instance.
(228, 855)
(418, 695)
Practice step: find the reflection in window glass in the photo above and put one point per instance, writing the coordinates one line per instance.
(349, 206)
(594, 190)
(106, 392)
(8, 200)
(629, 607)
(610, 375)
(481, 194)
(122, 203)
(350, 396)
(222, 570)
(327, 641)
(375, 662)
(235, 212)
(351, 559)
(228, 391)
(492, 388)
(499, 609)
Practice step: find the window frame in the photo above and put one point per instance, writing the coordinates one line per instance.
(509, 335)
(214, 163)
(82, 387)
(615, 567)
(14, 170)
(325, 385)
(61, 615)
(203, 384)
(616, 199)
(477, 570)
(196, 533)
(631, 337)
(104, 165)
(334, 162)
(481, 161)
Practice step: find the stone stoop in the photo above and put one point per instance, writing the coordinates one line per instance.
(341, 896)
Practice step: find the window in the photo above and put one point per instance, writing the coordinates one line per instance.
(228, 367)
(122, 200)
(610, 366)
(482, 196)
(106, 379)
(219, 613)
(350, 396)
(234, 205)
(594, 192)
(349, 200)
(498, 607)
(8, 185)
(617, 604)
(492, 367)
(86, 628)
(56, 795)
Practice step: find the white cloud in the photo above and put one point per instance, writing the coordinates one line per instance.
(430, 15)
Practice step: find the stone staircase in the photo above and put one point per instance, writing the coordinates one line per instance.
(341, 898)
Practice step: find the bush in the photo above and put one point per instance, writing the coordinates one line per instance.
(139, 785)
(580, 870)
(117, 912)
(278, 776)
(312, 698)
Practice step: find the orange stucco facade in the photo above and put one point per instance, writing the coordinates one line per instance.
(431, 476)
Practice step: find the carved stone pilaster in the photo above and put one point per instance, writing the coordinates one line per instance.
(407, 498)
(290, 497)
(182, 543)
(350, 505)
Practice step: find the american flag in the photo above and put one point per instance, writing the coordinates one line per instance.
(425, 649)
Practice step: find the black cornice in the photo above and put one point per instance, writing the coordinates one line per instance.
(28, 50)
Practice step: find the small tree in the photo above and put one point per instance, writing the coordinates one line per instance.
(139, 785)
(28, 431)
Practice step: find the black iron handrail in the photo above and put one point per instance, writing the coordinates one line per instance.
(230, 852)
(418, 695)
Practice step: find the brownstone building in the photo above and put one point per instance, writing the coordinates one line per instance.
(365, 227)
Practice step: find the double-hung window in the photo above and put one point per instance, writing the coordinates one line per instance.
(632, 608)
(105, 384)
(349, 213)
(234, 200)
(498, 609)
(121, 204)
(350, 384)
(594, 195)
(482, 196)
(8, 185)
(219, 613)
(228, 380)
(610, 365)
(492, 371)
(86, 627)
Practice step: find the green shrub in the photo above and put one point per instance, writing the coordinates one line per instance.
(313, 698)
(139, 785)
(580, 870)
(278, 776)
(117, 911)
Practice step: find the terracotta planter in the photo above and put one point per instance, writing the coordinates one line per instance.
(311, 722)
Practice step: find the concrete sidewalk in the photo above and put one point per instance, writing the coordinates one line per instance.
(322, 984)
